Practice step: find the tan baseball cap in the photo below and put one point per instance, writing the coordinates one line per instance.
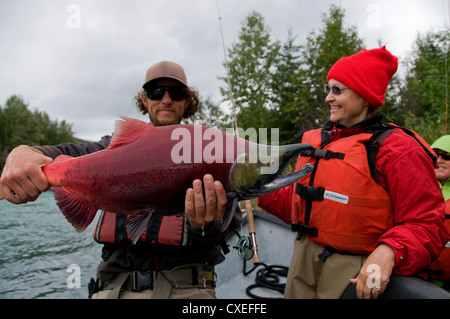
(165, 69)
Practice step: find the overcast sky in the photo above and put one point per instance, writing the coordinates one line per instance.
(83, 61)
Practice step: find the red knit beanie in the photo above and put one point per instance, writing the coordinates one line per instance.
(367, 73)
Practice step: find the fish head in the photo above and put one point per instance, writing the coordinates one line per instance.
(258, 171)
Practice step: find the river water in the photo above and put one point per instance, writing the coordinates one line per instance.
(41, 255)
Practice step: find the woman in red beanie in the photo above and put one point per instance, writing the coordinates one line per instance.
(372, 206)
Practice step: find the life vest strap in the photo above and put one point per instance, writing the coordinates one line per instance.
(310, 192)
(304, 229)
(326, 154)
(328, 251)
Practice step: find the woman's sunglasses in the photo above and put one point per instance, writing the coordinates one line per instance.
(444, 155)
(335, 89)
(176, 93)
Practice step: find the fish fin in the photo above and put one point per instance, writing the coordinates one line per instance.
(76, 211)
(127, 130)
(62, 158)
(138, 223)
(231, 208)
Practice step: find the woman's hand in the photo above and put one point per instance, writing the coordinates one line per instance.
(375, 273)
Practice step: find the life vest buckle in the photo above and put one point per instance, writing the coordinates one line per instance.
(310, 192)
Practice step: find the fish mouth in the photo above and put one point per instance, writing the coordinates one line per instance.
(251, 179)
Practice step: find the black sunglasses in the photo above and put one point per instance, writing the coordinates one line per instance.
(445, 156)
(335, 89)
(176, 93)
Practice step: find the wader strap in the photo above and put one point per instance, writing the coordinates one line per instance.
(182, 277)
(328, 251)
(304, 229)
(162, 287)
(117, 285)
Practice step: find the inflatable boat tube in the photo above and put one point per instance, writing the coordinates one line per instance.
(405, 287)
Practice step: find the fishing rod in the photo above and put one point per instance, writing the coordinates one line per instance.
(230, 90)
(245, 246)
(252, 231)
(269, 276)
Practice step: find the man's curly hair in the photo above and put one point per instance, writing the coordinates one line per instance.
(192, 97)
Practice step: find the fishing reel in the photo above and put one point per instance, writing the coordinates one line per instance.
(245, 248)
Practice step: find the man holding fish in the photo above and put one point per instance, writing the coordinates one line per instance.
(181, 249)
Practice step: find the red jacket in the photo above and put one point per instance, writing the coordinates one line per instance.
(407, 173)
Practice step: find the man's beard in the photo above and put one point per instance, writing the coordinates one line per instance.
(156, 122)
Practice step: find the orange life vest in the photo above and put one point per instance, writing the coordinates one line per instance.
(165, 230)
(340, 204)
(442, 264)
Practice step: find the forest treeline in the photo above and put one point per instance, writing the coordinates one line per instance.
(20, 125)
(279, 84)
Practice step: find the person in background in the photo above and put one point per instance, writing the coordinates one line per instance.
(176, 257)
(439, 272)
(372, 205)
(442, 148)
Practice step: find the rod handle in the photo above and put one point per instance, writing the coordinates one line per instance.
(250, 217)
(252, 230)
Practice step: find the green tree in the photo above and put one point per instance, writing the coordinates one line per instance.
(19, 126)
(286, 87)
(424, 91)
(281, 85)
(252, 60)
(322, 50)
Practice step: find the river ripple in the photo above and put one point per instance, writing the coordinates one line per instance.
(37, 245)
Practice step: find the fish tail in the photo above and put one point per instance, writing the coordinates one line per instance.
(76, 211)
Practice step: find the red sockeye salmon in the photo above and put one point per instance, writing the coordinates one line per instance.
(146, 170)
